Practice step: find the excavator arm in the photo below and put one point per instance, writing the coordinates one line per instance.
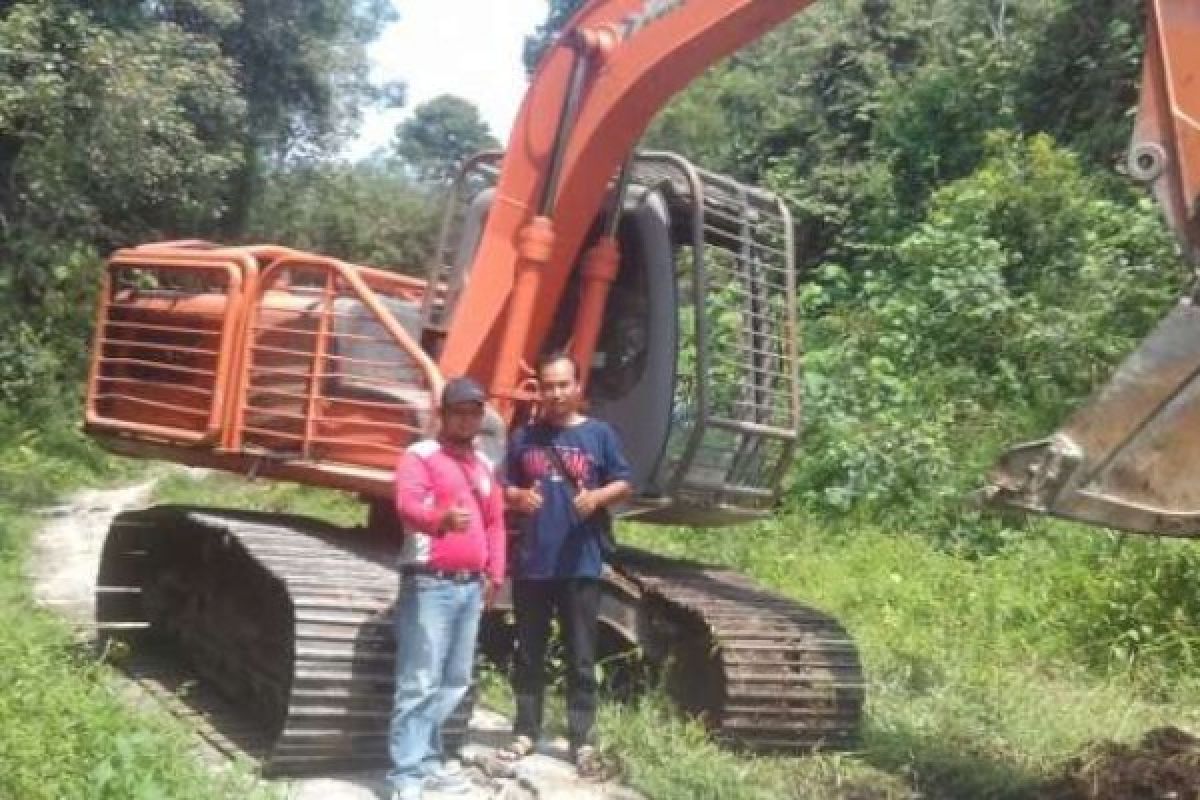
(1165, 152)
(614, 66)
(1129, 458)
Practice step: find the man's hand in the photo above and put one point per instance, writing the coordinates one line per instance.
(490, 592)
(587, 501)
(455, 519)
(526, 501)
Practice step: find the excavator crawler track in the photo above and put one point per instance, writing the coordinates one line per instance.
(289, 621)
(288, 618)
(765, 673)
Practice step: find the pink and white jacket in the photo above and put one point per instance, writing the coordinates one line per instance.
(430, 480)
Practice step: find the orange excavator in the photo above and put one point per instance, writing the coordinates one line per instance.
(675, 286)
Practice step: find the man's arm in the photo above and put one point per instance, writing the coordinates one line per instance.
(589, 501)
(497, 536)
(615, 476)
(613, 493)
(527, 501)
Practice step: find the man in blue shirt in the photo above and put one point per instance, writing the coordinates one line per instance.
(562, 472)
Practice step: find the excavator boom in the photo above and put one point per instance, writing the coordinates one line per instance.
(614, 66)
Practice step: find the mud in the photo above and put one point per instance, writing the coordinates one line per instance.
(1164, 765)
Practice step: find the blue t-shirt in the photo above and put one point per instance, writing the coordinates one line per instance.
(555, 542)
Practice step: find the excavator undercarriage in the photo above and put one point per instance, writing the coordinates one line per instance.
(290, 619)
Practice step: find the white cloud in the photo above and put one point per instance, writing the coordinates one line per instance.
(471, 48)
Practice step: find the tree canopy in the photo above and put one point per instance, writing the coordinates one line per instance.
(441, 134)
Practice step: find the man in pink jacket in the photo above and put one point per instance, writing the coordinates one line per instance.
(451, 564)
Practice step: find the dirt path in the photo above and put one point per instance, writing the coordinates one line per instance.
(63, 572)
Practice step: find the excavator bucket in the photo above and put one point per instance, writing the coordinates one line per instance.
(1127, 459)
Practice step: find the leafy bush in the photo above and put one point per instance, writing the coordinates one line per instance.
(1013, 298)
(1138, 608)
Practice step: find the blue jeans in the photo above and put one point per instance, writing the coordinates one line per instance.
(436, 624)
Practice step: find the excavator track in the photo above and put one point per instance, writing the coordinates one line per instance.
(289, 621)
(764, 672)
(288, 618)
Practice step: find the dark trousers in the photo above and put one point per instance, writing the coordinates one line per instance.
(574, 603)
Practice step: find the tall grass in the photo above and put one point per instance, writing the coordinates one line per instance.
(222, 490)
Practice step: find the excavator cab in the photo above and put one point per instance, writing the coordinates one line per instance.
(697, 365)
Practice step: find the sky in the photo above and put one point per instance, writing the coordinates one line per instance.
(471, 48)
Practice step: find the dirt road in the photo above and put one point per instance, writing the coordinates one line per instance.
(65, 558)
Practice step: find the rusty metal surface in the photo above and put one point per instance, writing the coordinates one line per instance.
(287, 618)
(1129, 457)
(765, 673)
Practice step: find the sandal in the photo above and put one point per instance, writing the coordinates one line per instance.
(589, 764)
(517, 749)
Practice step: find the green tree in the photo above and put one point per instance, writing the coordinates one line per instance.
(1081, 82)
(366, 213)
(440, 135)
(113, 128)
(1017, 292)
(302, 72)
(111, 133)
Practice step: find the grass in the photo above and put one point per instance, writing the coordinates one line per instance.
(221, 490)
(978, 679)
(65, 729)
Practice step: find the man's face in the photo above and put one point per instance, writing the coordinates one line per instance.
(559, 388)
(461, 422)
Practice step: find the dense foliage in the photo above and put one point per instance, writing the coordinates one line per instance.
(974, 265)
(441, 134)
(367, 213)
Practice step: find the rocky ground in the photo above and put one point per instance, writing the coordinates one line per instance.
(65, 558)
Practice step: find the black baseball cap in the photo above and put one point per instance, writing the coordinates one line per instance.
(462, 390)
